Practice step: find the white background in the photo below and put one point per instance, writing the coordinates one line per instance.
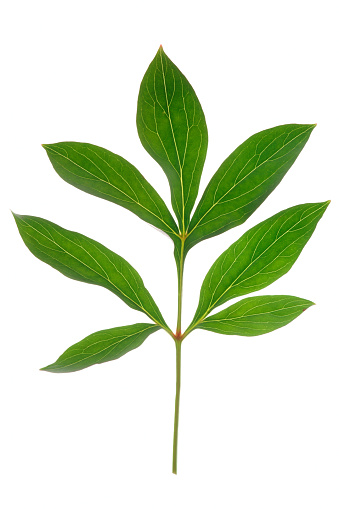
(259, 416)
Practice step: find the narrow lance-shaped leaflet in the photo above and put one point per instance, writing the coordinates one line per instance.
(245, 179)
(103, 346)
(256, 315)
(172, 128)
(263, 254)
(81, 258)
(98, 171)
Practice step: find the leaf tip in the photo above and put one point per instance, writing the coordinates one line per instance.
(46, 146)
(309, 127)
(325, 204)
(16, 216)
(307, 305)
(47, 368)
(161, 50)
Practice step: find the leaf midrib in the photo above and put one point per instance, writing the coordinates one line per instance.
(175, 144)
(242, 317)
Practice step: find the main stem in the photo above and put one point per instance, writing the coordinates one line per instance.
(178, 340)
(177, 400)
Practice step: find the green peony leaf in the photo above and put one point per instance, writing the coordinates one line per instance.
(98, 171)
(245, 179)
(103, 346)
(172, 128)
(256, 315)
(263, 254)
(81, 258)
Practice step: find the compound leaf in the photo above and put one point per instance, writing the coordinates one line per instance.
(98, 171)
(81, 258)
(263, 254)
(245, 179)
(256, 315)
(103, 346)
(172, 128)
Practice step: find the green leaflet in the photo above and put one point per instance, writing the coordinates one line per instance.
(172, 128)
(263, 254)
(81, 258)
(103, 346)
(101, 173)
(256, 315)
(245, 179)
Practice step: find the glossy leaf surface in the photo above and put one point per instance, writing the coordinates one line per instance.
(103, 346)
(263, 254)
(245, 179)
(256, 315)
(172, 128)
(81, 258)
(98, 171)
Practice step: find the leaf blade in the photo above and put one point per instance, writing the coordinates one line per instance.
(101, 173)
(263, 254)
(83, 259)
(245, 179)
(254, 316)
(172, 128)
(102, 346)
